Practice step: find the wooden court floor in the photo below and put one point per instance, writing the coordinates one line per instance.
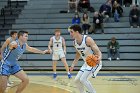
(105, 82)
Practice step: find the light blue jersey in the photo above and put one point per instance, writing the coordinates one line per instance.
(13, 55)
(10, 58)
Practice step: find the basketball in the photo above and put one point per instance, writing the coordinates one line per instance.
(91, 60)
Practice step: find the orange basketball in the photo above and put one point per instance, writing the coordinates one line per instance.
(91, 60)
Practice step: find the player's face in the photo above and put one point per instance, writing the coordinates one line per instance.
(24, 37)
(57, 34)
(14, 36)
(72, 34)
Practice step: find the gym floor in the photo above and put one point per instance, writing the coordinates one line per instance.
(105, 82)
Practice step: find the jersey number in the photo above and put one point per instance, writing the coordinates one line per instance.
(82, 52)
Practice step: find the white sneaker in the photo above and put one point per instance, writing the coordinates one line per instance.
(118, 58)
(138, 26)
(109, 58)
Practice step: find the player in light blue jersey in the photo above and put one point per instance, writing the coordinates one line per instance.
(4, 48)
(9, 65)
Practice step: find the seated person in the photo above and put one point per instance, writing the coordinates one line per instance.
(72, 5)
(105, 10)
(116, 11)
(76, 19)
(85, 23)
(119, 1)
(83, 4)
(97, 22)
(134, 17)
(113, 49)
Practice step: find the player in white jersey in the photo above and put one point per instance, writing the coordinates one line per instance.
(9, 65)
(13, 37)
(85, 46)
(58, 51)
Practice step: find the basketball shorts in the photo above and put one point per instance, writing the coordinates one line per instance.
(6, 69)
(58, 55)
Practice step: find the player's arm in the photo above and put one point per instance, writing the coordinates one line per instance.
(94, 47)
(77, 57)
(35, 50)
(50, 44)
(6, 43)
(64, 45)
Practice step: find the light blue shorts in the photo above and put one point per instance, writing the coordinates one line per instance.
(7, 70)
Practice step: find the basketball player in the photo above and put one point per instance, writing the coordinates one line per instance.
(58, 51)
(84, 45)
(9, 65)
(13, 36)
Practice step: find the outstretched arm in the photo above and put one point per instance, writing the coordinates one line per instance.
(35, 50)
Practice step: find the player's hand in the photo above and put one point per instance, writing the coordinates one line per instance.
(71, 69)
(50, 51)
(46, 52)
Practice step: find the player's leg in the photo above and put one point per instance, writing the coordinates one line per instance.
(55, 57)
(66, 67)
(4, 73)
(3, 83)
(54, 69)
(84, 80)
(24, 80)
(78, 83)
(63, 59)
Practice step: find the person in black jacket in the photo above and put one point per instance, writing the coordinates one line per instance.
(134, 17)
(98, 22)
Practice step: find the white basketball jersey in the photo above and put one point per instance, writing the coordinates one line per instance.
(83, 49)
(57, 44)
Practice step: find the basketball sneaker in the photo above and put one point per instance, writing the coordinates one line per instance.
(54, 76)
(69, 76)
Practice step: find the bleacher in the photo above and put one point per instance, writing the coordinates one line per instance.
(41, 17)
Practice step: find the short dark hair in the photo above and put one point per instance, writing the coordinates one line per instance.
(12, 33)
(76, 28)
(20, 33)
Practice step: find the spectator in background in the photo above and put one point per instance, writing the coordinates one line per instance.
(76, 19)
(85, 23)
(83, 4)
(119, 2)
(72, 5)
(127, 3)
(117, 11)
(97, 22)
(136, 2)
(113, 49)
(134, 16)
(105, 10)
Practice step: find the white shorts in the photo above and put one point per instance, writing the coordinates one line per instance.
(58, 55)
(94, 70)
